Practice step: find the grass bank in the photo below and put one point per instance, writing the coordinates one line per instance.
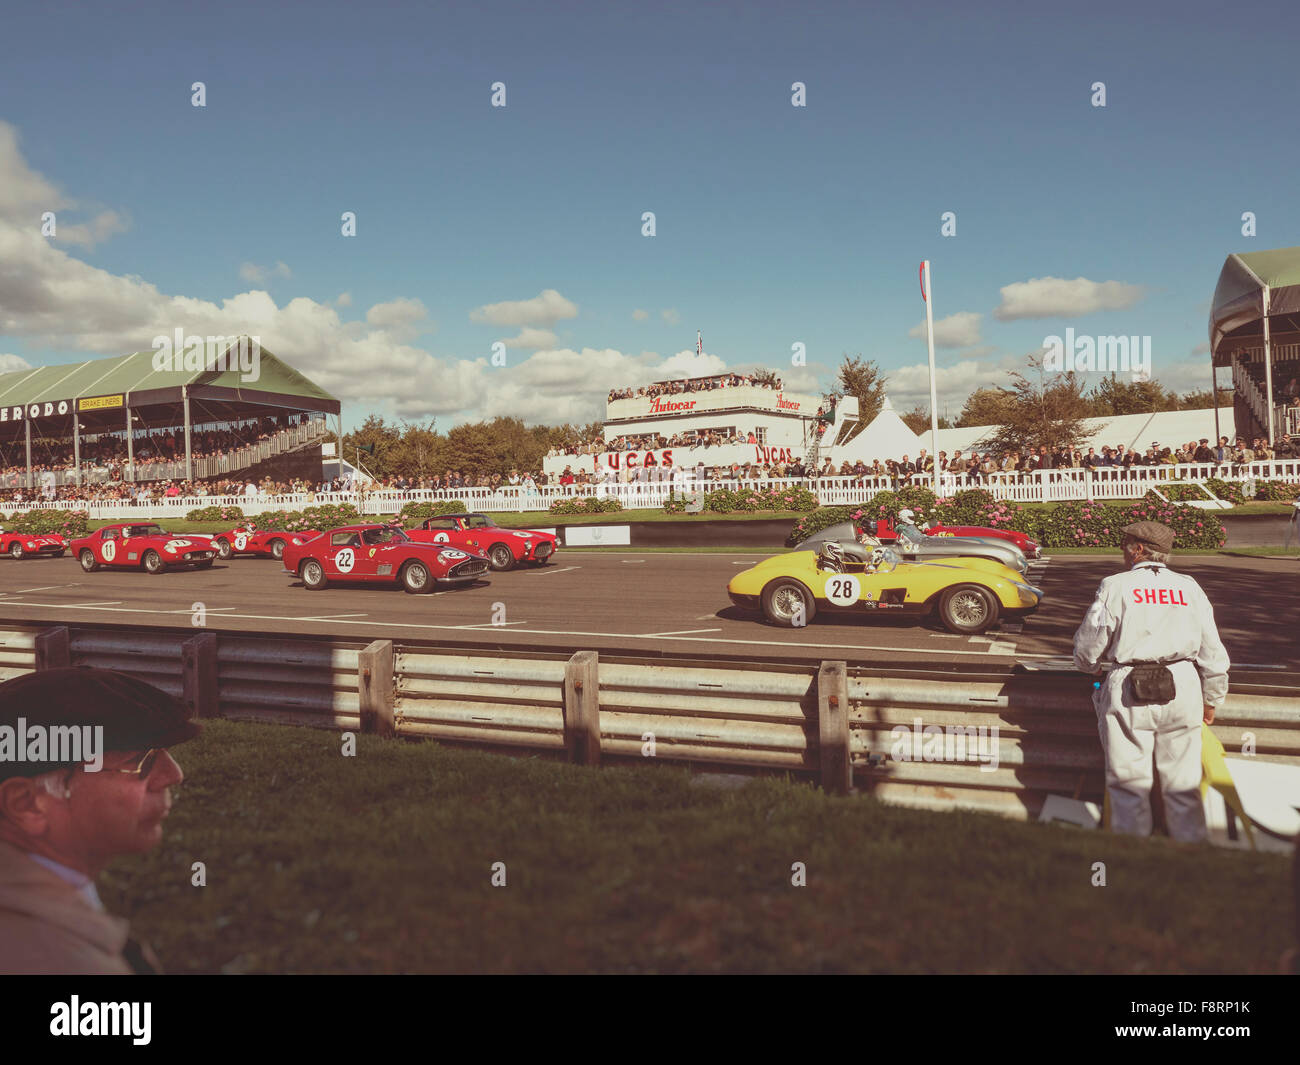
(382, 863)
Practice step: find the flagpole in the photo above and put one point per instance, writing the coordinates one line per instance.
(934, 398)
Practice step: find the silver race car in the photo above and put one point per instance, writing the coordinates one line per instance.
(913, 545)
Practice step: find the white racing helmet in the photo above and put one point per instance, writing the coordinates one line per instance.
(831, 556)
(877, 557)
(907, 516)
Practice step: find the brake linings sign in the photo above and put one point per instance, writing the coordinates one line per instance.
(54, 408)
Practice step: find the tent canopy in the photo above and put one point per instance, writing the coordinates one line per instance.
(1237, 313)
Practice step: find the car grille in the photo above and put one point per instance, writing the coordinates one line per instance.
(543, 550)
(474, 567)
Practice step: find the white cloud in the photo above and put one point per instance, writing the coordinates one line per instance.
(639, 315)
(688, 364)
(10, 363)
(344, 300)
(545, 310)
(531, 338)
(671, 316)
(958, 330)
(26, 195)
(1055, 297)
(909, 386)
(1201, 349)
(259, 275)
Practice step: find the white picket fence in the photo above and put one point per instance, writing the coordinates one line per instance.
(1042, 486)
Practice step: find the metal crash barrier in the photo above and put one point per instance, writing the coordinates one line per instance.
(997, 740)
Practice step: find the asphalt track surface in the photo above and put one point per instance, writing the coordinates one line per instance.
(640, 604)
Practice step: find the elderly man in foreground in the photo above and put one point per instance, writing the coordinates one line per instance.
(85, 776)
(1168, 672)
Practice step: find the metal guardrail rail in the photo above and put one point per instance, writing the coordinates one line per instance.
(827, 722)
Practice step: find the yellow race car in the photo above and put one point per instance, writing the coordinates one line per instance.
(969, 594)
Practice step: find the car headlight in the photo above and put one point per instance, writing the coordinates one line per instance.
(1029, 588)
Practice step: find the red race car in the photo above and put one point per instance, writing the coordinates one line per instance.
(380, 554)
(264, 543)
(32, 545)
(886, 532)
(142, 545)
(479, 533)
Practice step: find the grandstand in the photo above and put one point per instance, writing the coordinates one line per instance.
(124, 419)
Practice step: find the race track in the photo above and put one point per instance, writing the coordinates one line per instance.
(632, 603)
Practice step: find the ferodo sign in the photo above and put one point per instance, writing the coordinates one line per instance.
(56, 407)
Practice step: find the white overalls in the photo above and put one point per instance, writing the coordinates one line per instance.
(1152, 614)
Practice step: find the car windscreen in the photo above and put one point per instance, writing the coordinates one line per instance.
(145, 530)
(479, 521)
(384, 536)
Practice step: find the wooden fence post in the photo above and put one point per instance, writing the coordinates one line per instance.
(582, 708)
(833, 727)
(375, 687)
(199, 674)
(53, 649)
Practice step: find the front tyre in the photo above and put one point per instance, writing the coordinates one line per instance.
(786, 601)
(501, 557)
(88, 560)
(416, 578)
(153, 562)
(16, 549)
(224, 548)
(968, 609)
(277, 549)
(313, 575)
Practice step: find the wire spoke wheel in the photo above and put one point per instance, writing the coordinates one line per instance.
(969, 608)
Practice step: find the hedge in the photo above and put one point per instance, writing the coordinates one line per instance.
(414, 513)
(326, 516)
(589, 505)
(1073, 524)
(222, 514)
(69, 523)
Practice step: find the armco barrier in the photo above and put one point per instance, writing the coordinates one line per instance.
(841, 726)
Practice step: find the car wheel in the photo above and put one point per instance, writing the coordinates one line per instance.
(313, 575)
(223, 548)
(277, 549)
(416, 578)
(501, 557)
(784, 600)
(16, 549)
(153, 562)
(968, 609)
(87, 560)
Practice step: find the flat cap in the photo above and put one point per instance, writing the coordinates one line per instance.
(1152, 534)
(133, 714)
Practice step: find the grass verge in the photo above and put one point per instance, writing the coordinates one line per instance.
(382, 863)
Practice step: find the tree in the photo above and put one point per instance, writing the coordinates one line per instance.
(986, 406)
(1114, 397)
(419, 454)
(861, 378)
(381, 442)
(918, 420)
(1204, 400)
(1047, 410)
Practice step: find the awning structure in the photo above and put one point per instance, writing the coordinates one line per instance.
(1255, 329)
(1237, 313)
(222, 380)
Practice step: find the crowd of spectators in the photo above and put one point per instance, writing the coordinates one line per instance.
(105, 454)
(696, 384)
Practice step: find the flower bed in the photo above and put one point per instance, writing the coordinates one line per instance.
(221, 514)
(589, 505)
(414, 513)
(69, 523)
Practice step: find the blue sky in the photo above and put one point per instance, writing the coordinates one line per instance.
(775, 224)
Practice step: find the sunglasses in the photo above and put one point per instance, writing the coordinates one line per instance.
(143, 765)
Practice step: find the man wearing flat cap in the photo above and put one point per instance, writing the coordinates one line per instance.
(85, 776)
(1168, 672)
